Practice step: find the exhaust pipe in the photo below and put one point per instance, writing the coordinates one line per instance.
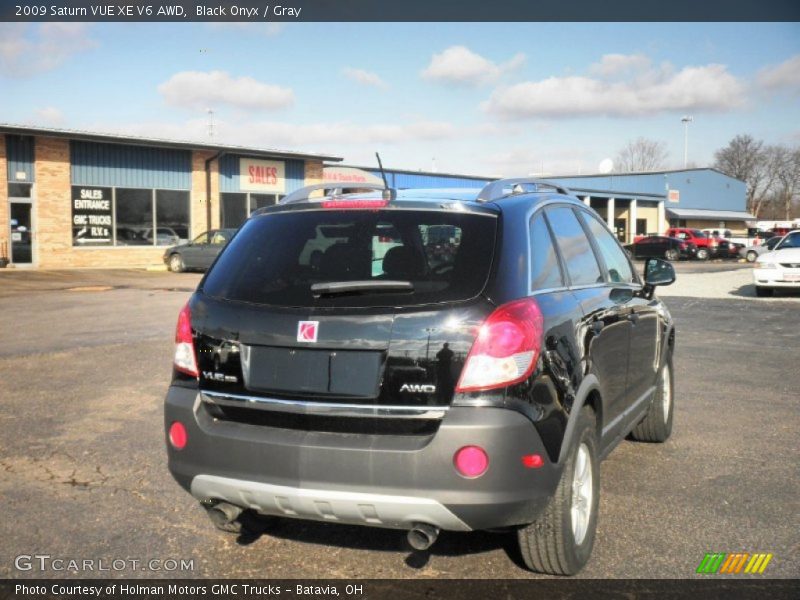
(224, 515)
(422, 536)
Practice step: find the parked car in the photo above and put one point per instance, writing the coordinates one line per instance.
(479, 391)
(751, 253)
(165, 236)
(659, 246)
(199, 253)
(707, 246)
(779, 268)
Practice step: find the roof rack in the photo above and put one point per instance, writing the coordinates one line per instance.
(503, 188)
(337, 189)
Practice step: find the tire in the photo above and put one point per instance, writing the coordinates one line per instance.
(672, 255)
(764, 292)
(702, 254)
(657, 424)
(176, 263)
(559, 543)
(751, 256)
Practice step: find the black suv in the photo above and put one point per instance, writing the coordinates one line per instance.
(420, 360)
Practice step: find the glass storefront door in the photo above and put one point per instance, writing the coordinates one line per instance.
(21, 233)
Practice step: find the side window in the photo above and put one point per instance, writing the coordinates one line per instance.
(545, 272)
(575, 247)
(619, 269)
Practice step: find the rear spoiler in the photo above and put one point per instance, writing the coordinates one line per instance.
(336, 189)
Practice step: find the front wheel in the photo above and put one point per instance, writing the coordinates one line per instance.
(176, 263)
(751, 256)
(560, 542)
(657, 424)
(702, 254)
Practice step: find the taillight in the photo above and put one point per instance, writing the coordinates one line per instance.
(184, 360)
(506, 348)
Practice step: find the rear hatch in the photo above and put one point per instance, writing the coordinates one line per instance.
(343, 313)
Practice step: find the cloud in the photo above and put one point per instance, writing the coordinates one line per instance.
(49, 115)
(783, 76)
(522, 161)
(27, 50)
(648, 92)
(196, 89)
(364, 77)
(617, 64)
(459, 65)
(279, 134)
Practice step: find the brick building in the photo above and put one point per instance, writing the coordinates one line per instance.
(76, 199)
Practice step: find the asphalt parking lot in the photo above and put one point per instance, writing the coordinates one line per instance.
(85, 361)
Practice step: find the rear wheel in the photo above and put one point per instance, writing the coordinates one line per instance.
(702, 253)
(763, 292)
(671, 254)
(657, 425)
(560, 541)
(176, 263)
(752, 256)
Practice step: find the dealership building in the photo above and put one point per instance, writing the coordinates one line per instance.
(80, 199)
(74, 199)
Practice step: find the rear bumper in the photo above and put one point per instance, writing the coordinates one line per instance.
(377, 480)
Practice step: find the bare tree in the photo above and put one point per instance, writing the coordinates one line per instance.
(747, 159)
(784, 163)
(641, 154)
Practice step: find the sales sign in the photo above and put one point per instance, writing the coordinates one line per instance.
(262, 175)
(91, 215)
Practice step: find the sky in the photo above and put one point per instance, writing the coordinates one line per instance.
(490, 99)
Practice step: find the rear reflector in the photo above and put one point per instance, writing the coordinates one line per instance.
(185, 360)
(533, 461)
(354, 203)
(471, 461)
(177, 435)
(506, 348)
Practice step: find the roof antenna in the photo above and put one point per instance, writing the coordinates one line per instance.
(387, 194)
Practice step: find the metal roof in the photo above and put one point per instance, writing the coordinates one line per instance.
(136, 140)
(717, 215)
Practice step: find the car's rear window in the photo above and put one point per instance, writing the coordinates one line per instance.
(276, 258)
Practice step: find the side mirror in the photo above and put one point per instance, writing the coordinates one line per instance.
(658, 272)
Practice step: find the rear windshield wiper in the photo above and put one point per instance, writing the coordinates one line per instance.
(367, 286)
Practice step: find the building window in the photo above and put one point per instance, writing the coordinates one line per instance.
(134, 217)
(641, 226)
(172, 213)
(103, 216)
(19, 190)
(92, 216)
(234, 208)
(261, 200)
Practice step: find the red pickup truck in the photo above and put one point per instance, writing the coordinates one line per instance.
(707, 246)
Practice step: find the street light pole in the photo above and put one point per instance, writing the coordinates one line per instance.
(686, 120)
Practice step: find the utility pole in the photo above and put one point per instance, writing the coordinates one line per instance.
(686, 120)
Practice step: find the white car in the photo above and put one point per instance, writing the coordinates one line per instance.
(779, 268)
